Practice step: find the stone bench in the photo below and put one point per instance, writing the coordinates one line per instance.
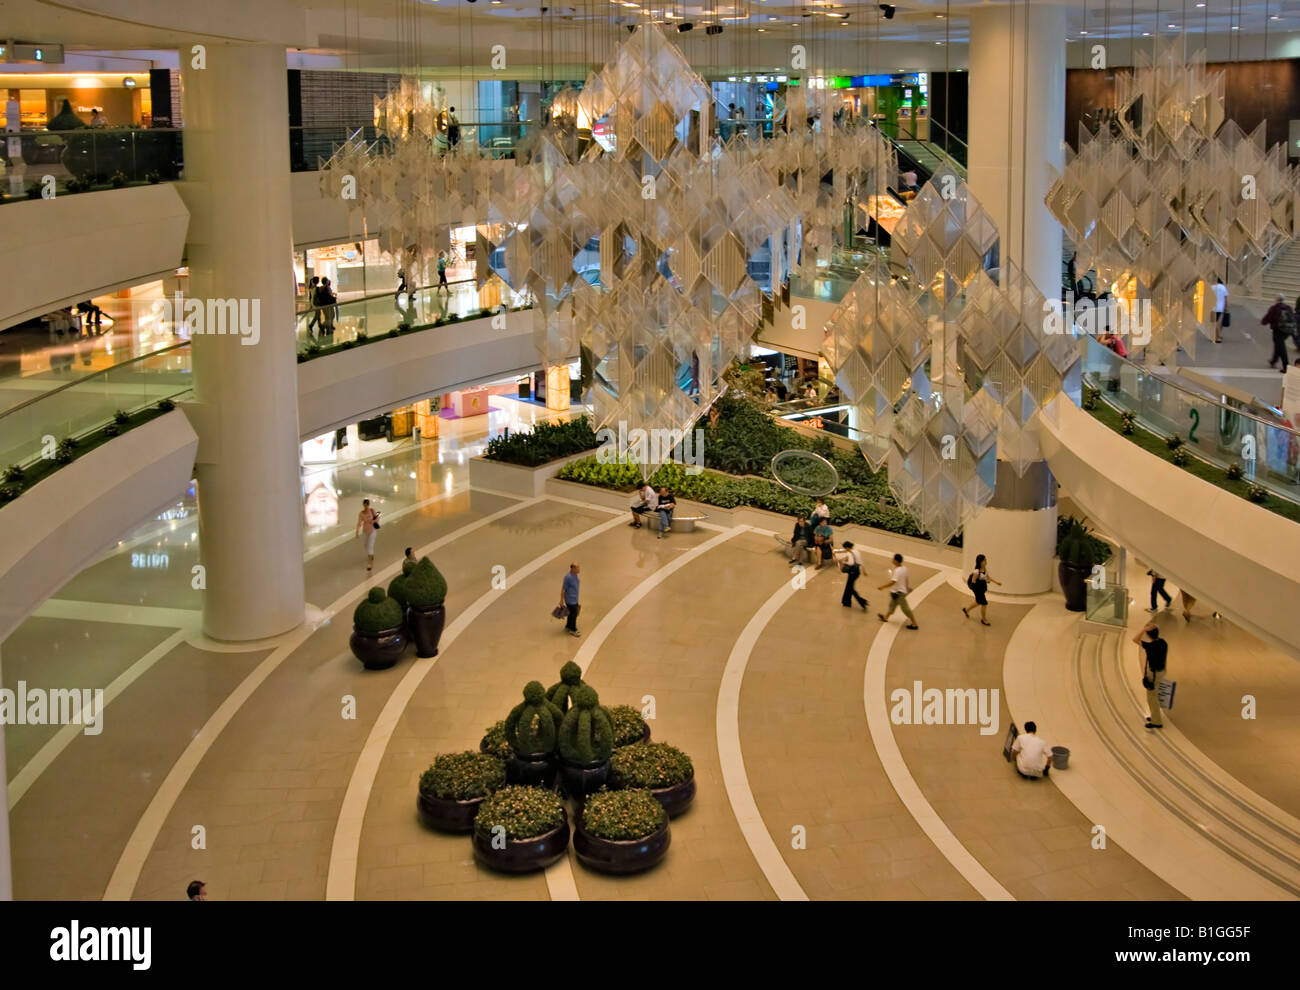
(681, 523)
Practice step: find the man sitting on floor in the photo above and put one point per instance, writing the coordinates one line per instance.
(1032, 754)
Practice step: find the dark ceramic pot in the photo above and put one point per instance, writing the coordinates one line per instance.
(378, 651)
(620, 856)
(535, 771)
(522, 855)
(581, 779)
(446, 814)
(677, 798)
(1074, 584)
(425, 623)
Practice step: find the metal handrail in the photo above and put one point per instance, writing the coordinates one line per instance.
(381, 295)
(94, 374)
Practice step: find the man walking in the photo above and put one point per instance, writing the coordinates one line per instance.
(851, 561)
(314, 322)
(1158, 588)
(1280, 318)
(1155, 656)
(1220, 307)
(569, 598)
(899, 587)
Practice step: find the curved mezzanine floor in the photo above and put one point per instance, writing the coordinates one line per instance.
(781, 696)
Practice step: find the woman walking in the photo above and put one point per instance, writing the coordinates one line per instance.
(368, 523)
(978, 582)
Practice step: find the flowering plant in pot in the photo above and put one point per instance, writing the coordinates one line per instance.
(520, 829)
(425, 590)
(629, 726)
(665, 771)
(586, 740)
(494, 741)
(531, 729)
(378, 638)
(621, 831)
(454, 786)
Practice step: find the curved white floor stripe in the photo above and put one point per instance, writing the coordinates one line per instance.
(127, 872)
(48, 753)
(891, 758)
(734, 777)
(341, 884)
(559, 878)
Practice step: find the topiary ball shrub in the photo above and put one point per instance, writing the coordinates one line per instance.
(523, 812)
(1257, 493)
(1174, 442)
(425, 586)
(629, 726)
(533, 725)
(1233, 472)
(494, 741)
(397, 587)
(153, 178)
(463, 776)
(378, 613)
(560, 692)
(650, 766)
(1179, 458)
(586, 734)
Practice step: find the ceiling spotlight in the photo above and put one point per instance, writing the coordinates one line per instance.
(128, 82)
(685, 26)
(713, 29)
(888, 10)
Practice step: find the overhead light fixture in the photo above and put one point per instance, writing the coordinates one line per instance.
(128, 82)
(888, 10)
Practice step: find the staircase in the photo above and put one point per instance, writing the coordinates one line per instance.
(1282, 276)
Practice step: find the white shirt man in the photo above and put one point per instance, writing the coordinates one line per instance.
(643, 500)
(1032, 753)
(649, 497)
(901, 585)
(1220, 305)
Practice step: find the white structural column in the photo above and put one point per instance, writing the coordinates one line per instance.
(240, 249)
(1017, 123)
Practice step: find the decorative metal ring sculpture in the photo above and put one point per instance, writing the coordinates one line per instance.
(805, 472)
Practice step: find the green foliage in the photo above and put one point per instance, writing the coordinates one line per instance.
(652, 765)
(533, 724)
(424, 586)
(362, 336)
(1179, 458)
(313, 349)
(9, 492)
(347, 345)
(1127, 423)
(495, 738)
(117, 180)
(463, 776)
(112, 430)
(1233, 472)
(66, 450)
(1075, 544)
(746, 379)
(547, 442)
(378, 613)
(524, 812)
(1091, 396)
(15, 473)
(393, 332)
(560, 692)
(623, 815)
(121, 418)
(166, 405)
(745, 438)
(1257, 493)
(153, 178)
(628, 724)
(1174, 441)
(586, 734)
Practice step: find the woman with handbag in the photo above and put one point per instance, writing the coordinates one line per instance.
(851, 564)
(368, 523)
(978, 581)
(1155, 656)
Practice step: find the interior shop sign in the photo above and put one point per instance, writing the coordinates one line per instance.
(653, 446)
(202, 317)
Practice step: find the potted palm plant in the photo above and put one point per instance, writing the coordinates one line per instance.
(1077, 552)
(586, 740)
(378, 638)
(454, 786)
(665, 771)
(520, 829)
(425, 590)
(621, 832)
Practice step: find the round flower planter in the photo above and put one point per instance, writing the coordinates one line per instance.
(447, 814)
(535, 771)
(378, 651)
(579, 780)
(676, 798)
(425, 623)
(485, 747)
(620, 855)
(645, 737)
(522, 855)
(1074, 584)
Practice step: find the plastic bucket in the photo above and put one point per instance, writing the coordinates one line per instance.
(1060, 758)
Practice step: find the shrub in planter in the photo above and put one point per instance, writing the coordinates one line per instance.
(393, 332)
(378, 638)
(560, 692)
(121, 418)
(585, 741)
(424, 590)
(65, 451)
(629, 726)
(112, 430)
(166, 405)
(9, 491)
(1077, 551)
(621, 832)
(397, 586)
(362, 337)
(454, 786)
(521, 829)
(1091, 396)
(665, 771)
(1257, 493)
(313, 349)
(1174, 442)
(494, 741)
(153, 178)
(403, 327)
(1179, 458)
(1233, 472)
(118, 180)
(14, 473)
(531, 730)
(1127, 423)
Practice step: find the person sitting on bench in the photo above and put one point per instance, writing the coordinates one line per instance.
(1033, 755)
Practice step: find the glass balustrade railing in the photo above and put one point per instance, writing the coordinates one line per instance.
(31, 431)
(34, 163)
(1268, 452)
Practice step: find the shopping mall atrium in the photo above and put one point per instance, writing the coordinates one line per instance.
(739, 451)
